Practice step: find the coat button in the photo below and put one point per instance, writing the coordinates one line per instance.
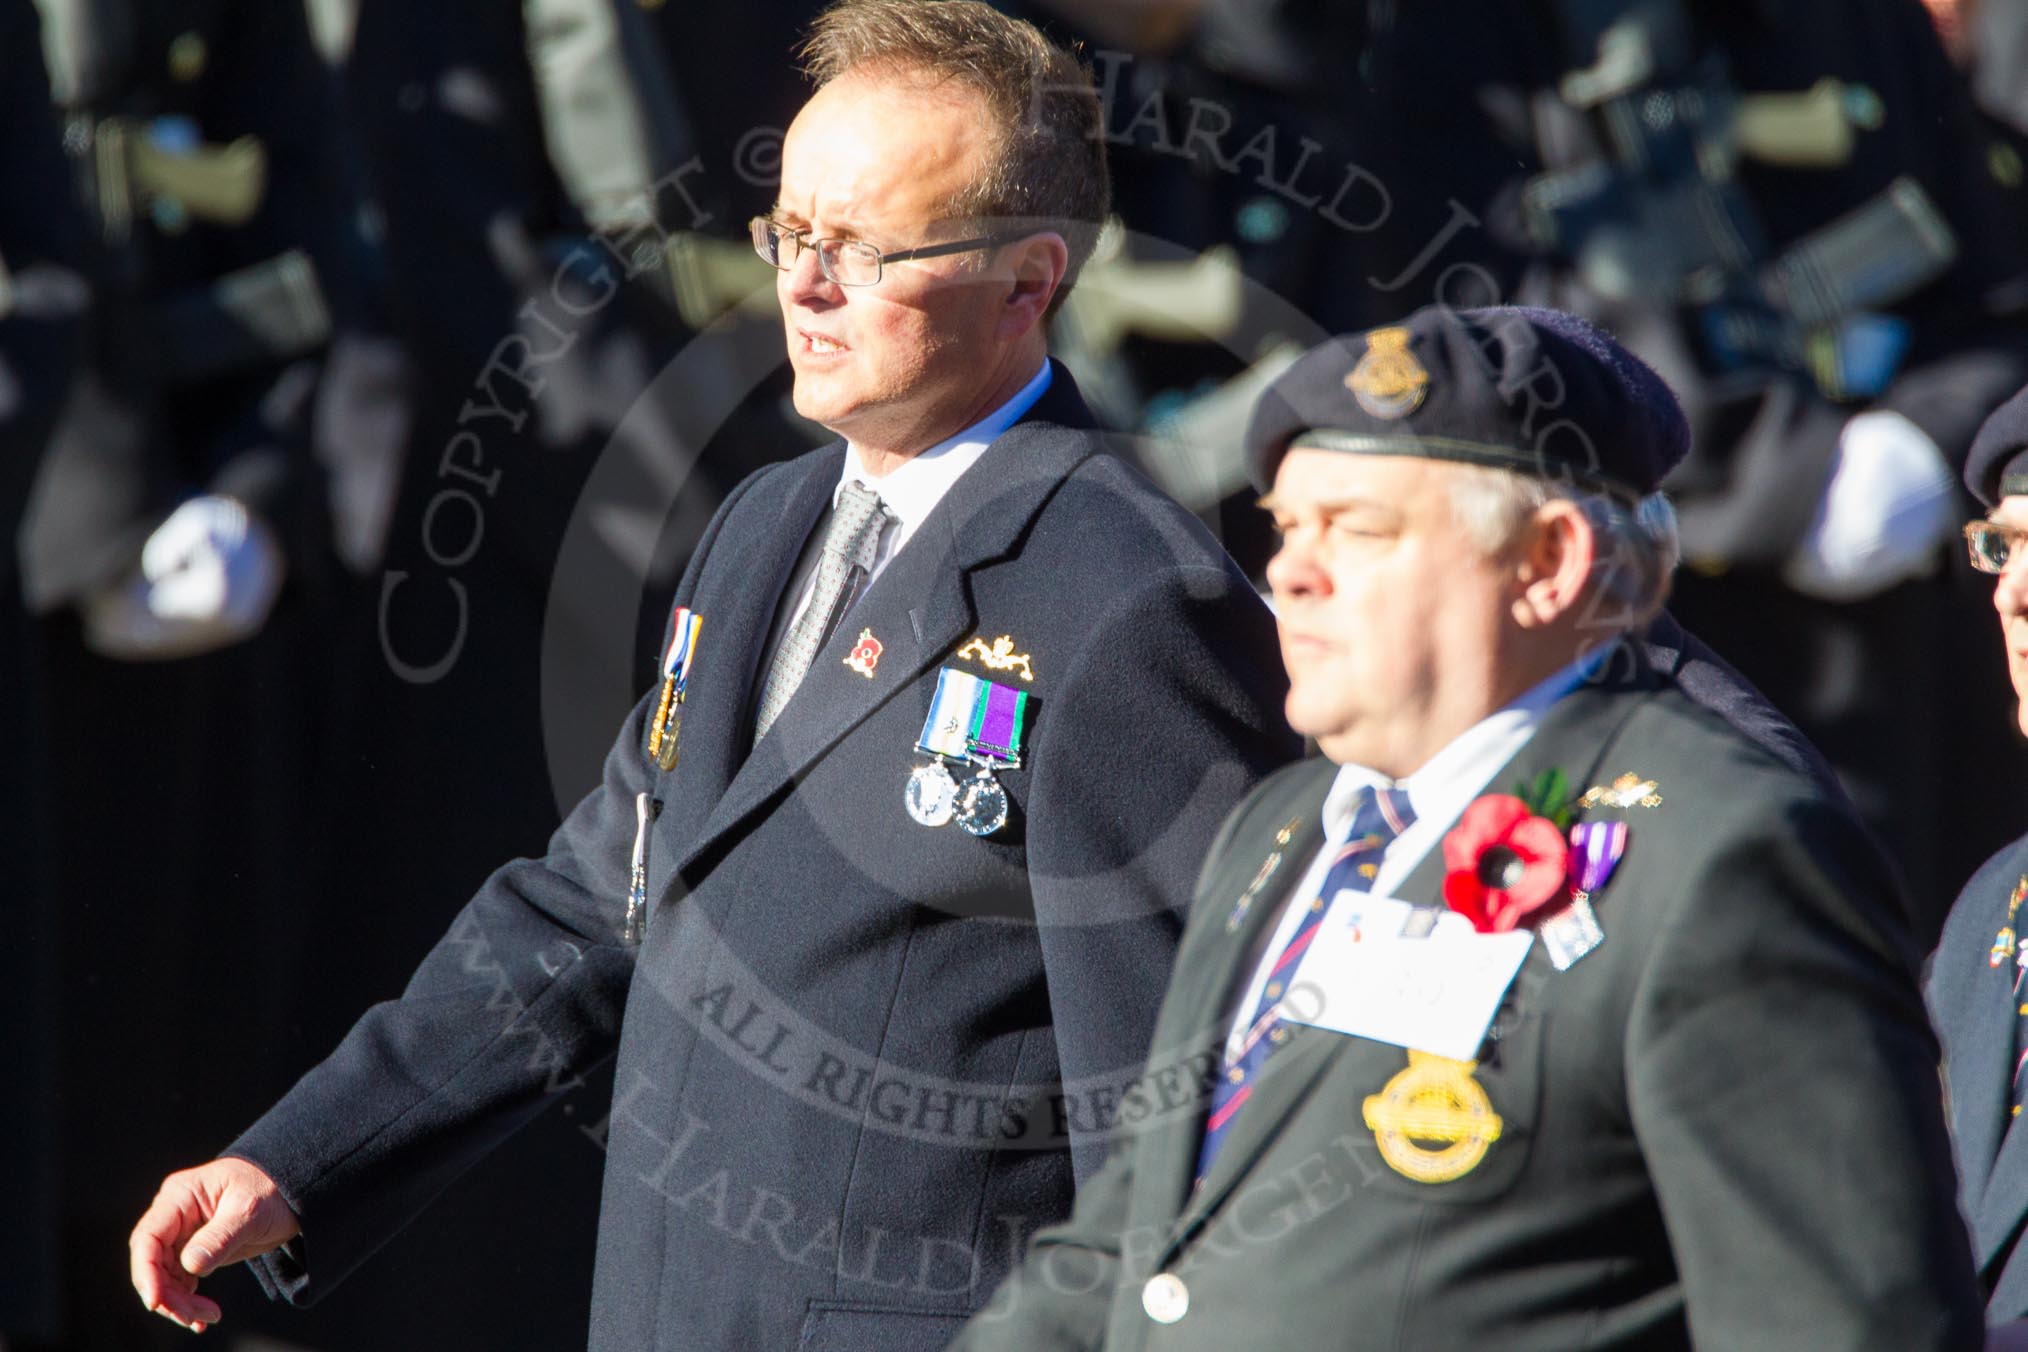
(1165, 1298)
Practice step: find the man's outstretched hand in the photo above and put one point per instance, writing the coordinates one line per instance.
(203, 1219)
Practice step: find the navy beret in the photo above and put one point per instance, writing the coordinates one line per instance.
(1998, 465)
(1538, 391)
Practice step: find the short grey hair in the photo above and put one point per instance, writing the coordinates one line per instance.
(1638, 548)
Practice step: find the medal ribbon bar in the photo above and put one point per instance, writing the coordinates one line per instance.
(974, 720)
(675, 676)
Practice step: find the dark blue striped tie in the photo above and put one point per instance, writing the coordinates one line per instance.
(1381, 815)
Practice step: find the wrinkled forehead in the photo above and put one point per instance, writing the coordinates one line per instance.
(1315, 479)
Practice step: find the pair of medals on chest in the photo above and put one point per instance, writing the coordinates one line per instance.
(974, 729)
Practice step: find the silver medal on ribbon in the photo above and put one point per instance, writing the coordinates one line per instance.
(982, 803)
(972, 722)
(932, 794)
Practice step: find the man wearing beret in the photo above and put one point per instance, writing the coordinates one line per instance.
(1976, 988)
(1548, 1011)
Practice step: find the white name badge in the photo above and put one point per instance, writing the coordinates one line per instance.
(1439, 993)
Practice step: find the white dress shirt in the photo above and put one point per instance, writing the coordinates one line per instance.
(1439, 792)
(911, 492)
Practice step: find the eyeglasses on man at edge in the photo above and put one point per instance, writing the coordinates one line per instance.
(848, 262)
(1992, 544)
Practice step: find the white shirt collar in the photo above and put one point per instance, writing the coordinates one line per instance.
(914, 489)
(1446, 784)
(1439, 792)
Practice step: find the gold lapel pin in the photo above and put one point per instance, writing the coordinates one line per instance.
(1000, 656)
(1626, 791)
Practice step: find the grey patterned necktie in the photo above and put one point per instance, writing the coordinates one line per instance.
(850, 545)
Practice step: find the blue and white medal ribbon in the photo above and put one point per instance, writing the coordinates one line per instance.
(972, 721)
(668, 716)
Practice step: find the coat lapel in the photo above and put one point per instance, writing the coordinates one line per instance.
(1981, 1072)
(1575, 736)
(918, 608)
(1202, 984)
(2005, 1197)
(736, 617)
(1287, 1081)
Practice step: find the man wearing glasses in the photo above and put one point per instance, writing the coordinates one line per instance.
(879, 893)
(1977, 992)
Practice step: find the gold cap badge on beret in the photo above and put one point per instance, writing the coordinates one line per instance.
(1388, 382)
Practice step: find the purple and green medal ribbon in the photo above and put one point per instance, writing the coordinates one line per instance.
(974, 719)
(996, 723)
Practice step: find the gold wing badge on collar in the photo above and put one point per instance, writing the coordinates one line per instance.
(999, 657)
(1626, 791)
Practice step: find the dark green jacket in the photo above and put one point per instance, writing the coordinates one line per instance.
(1972, 999)
(1722, 1126)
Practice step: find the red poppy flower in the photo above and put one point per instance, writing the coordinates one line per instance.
(1502, 863)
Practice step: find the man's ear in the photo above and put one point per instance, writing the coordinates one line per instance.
(1037, 264)
(1558, 549)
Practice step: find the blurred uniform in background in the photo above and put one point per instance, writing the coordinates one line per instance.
(200, 147)
(557, 217)
(175, 501)
(1223, 118)
(42, 294)
(380, 292)
(42, 299)
(1793, 211)
(1989, 39)
(1976, 980)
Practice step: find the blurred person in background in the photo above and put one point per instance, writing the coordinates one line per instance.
(42, 303)
(311, 230)
(1241, 206)
(171, 553)
(557, 214)
(1989, 39)
(1977, 992)
(1214, 111)
(1791, 211)
(1817, 238)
